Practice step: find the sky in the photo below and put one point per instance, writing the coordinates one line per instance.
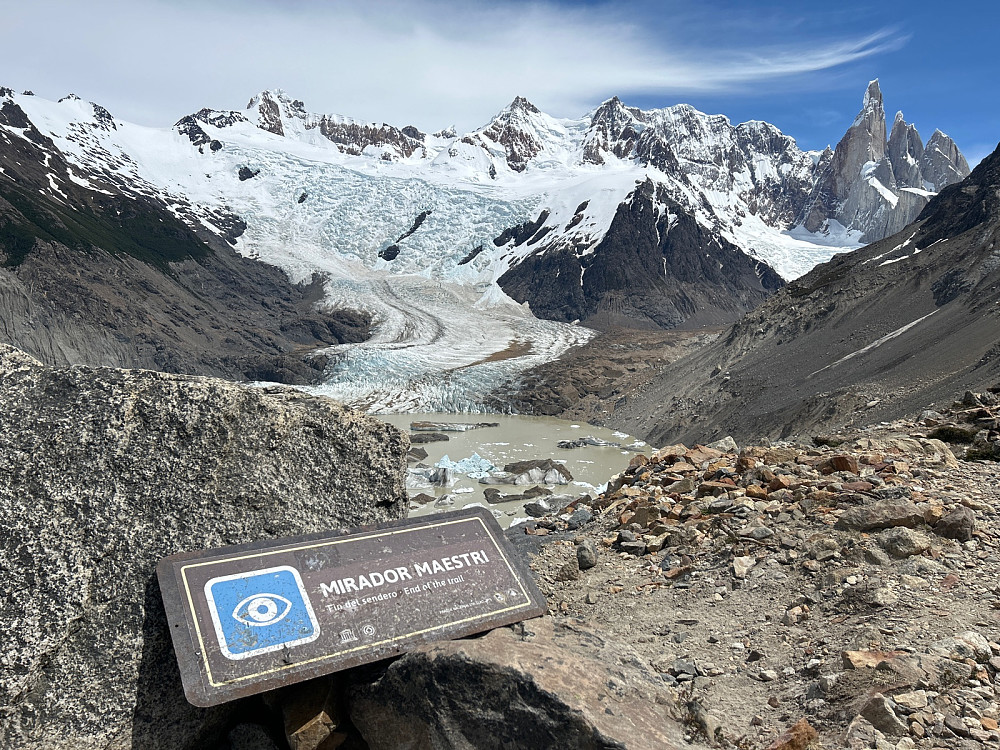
(803, 66)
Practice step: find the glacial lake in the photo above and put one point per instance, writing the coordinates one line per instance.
(516, 438)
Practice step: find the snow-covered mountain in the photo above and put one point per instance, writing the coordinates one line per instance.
(658, 217)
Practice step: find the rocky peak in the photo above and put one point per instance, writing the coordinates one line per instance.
(614, 128)
(517, 128)
(273, 107)
(942, 163)
(278, 113)
(864, 141)
(448, 132)
(905, 152)
(520, 104)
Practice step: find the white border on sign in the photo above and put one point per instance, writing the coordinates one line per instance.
(217, 621)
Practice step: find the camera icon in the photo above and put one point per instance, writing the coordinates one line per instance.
(260, 611)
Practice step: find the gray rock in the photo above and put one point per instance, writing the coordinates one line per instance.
(879, 711)
(901, 542)
(882, 515)
(579, 517)
(107, 471)
(968, 645)
(418, 438)
(958, 524)
(545, 684)
(538, 471)
(633, 548)
(726, 445)
(586, 554)
(538, 508)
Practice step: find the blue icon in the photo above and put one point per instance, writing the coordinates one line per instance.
(260, 611)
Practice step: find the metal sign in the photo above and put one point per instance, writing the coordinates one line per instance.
(254, 617)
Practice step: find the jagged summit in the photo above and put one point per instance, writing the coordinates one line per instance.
(877, 184)
(522, 104)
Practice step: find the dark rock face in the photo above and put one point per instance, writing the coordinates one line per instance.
(653, 268)
(392, 251)
(106, 471)
(527, 687)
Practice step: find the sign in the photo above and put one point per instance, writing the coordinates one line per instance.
(254, 617)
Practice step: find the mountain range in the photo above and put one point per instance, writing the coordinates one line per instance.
(646, 218)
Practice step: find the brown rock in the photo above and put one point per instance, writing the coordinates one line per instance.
(867, 659)
(569, 572)
(312, 712)
(669, 452)
(780, 482)
(841, 462)
(780, 455)
(700, 453)
(882, 515)
(797, 737)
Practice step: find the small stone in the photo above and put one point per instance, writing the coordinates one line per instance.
(902, 542)
(684, 666)
(878, 710)
(988, 723)
(591, 598)
(586, 554)
(569, 572)
(742, 565)
(959, 524)
(633, 548)
(767, 675)
(914, 700)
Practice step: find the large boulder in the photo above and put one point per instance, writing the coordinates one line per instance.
(106, 471)
(542, 684)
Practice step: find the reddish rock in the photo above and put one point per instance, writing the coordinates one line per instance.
(798, 736)
(841, 462)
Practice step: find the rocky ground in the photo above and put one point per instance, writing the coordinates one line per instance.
(847, 591)
(591, 382)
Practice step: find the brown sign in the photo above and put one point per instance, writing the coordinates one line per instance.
(254, 617)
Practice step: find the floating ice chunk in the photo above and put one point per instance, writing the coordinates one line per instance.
(474, 466)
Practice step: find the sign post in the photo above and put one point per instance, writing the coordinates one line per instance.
(258, 616)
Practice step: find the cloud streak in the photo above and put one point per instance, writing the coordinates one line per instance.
(421, 61)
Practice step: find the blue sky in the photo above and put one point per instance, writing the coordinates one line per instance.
(432, 63)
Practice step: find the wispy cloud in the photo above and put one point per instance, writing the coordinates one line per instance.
(413, 61)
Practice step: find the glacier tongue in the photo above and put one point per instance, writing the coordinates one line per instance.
(434, 349)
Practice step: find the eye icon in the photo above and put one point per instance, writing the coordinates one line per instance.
(262, 609)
